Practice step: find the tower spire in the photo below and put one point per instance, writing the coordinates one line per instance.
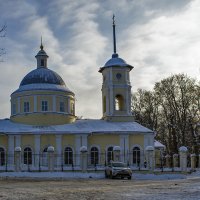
(41, 45)
(114, 36)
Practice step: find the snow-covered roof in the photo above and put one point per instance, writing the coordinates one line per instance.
(158, 144)
(42, 86)
(88, 126)
(115, 61)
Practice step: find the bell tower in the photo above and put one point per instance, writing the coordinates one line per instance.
(116, 87)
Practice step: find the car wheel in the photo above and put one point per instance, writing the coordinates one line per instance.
(106, 175)
(111, 176)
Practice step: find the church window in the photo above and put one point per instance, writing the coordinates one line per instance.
(68, 156)
(62, 106)
(27, 156)
(13, 108)
(42, 62)
(26, 106)
(94, 155)
(44, 106)
(109, 154)
(2, 156)
(119, 102)
(118, 75)
(104, 104)
(72, 109)
(136, 156)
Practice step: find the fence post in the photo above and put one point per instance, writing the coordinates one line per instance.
(116, 152)
(50, 151)
(83, 151)
(183, 158)
(168, 161)
(18, 159)
(193, 161)
(150, 157)
(175, 160)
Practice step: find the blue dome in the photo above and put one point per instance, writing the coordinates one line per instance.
(42, 75)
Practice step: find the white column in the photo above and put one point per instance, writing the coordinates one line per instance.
(78, 146)
(124, 144)
(37, 151)
(18, 103)
(54, 103)
(35, 103)
(11, 152)
(18, 141)
(59, 150)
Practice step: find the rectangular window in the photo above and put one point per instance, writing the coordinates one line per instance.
(72, 109)
(42, 63)
(44, 106)
(14, 109)
(62, 107)
(26, 106)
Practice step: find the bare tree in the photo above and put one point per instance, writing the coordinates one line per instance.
(172, 109)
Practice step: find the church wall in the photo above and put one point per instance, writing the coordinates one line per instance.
(136, 140)
(104, 141)
(68, 141)
(47, 140)
(43, 118)
(4, 142)
(44, 98)
(27, 141)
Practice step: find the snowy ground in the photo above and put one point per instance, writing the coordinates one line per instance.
(50, 186)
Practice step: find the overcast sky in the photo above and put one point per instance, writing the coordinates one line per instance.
(157, 37)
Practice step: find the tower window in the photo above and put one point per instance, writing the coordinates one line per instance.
(44, 106)
(42, 63)
(119, 101)
(62, 107)
(72, 109)
(104, 104)
(13, 108)
(26, 106)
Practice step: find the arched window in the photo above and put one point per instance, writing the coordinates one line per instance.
(119, 102)
(27, 156)
(109, 154)
(68, 156)
(94, 155)
(2, 156)
(136, 156)
(104, 104)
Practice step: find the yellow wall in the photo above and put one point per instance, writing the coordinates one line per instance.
(47, 140)
(4, 141)
(68, 140)
(43, 118)
(103, 141)
(136, 139)
(27, 141)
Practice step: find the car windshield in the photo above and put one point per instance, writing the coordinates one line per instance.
(118, 164)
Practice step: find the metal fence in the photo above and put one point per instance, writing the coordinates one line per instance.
(72, 161)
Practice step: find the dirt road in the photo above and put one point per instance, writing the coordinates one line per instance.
(86, 189)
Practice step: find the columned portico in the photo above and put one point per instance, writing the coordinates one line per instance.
(11, 146)
(59, 150)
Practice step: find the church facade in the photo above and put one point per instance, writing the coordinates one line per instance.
(43, 118)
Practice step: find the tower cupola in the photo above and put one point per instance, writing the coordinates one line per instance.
(41, 57)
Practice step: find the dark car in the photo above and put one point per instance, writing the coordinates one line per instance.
(118, 169)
